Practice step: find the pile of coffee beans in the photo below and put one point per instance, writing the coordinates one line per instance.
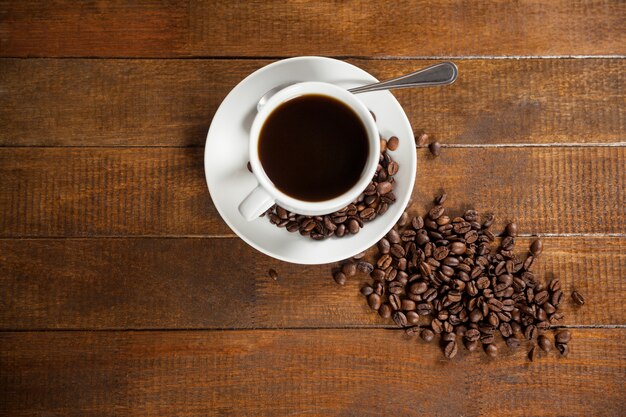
(443, 275)
(373, 202)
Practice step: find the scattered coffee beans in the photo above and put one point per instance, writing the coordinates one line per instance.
(441, 275)
(373, 202)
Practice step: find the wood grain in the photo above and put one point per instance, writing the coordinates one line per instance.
(224, 283)
(259, 28)
(69, 192)
(312, 372)
(77, 102)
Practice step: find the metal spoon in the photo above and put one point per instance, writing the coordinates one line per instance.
(439, 74)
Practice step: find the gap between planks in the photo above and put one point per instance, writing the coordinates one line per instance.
(389, 327)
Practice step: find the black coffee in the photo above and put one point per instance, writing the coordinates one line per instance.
(313, 147)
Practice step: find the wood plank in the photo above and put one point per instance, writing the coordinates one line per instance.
(80, 102)
(277, 28)
(312, 372)
(224, 283)
(61, 192)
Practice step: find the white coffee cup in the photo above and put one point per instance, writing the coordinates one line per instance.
(266, 194)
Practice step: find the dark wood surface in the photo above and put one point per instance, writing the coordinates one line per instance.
(122, 292)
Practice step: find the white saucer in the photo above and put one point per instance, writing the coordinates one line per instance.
(226, 156)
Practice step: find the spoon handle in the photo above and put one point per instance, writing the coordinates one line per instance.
(438, 74)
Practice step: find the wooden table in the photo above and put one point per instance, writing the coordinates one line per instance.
(122, 292)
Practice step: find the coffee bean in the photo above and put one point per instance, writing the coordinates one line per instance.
(530, 332)
(374, 301)
(422, 140)
(557, 298)
(563, 349)
(512, 343)
(397, 251)
(491, 350)
(384, 187)
(435, 148)
(472, 335)
(349, 269)
(511, 229)
(458, 248)
(383, 246)
(412, 317)
(367, 290)
(417, 222)
(536, 247)
(471, 345)
(393, 236)
(408, 305)
(383, 145)
(450, 350)
(400, 319)
(403, 220)
(392, 143)
(384, 261)
(555, 285)
(436, 212)
(533, 353)
(340, 277)
(412, 331)
(384, 311)
(544, 343)
(427, 335)
(437, 326)
(273, 274)
(541, 297)
(563, 336)
(364, 267)
(578, 298)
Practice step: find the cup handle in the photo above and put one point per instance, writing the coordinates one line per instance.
(255, 203)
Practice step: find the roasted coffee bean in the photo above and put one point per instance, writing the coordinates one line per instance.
(530, 332)
(384, 311)
(578, 298)
(424, 309)
(471, 345)
(536, 247)
(437, 326)
(397, 251)
(544, 343)
(563, 336)
(403, 220)
(273, 274)
(458, 248)
(435, 148)
(349, 269)
(472, 335)
(512, 343)
(384, 261)
(378, 274)
(440, 253)
(557, 298)
(374, 301)
(511, 229)
(450, 350)
(408, 305)
(555, 285)
(412, 317)
(340, 277)
(422, 140)
(418, 287)
(392, 143)
(400, 319)
(427, 335)
(541, 297)
(436, 212)
(367, 290)
(533, 353)
(417, 222)
(563, 349)
(395, 302)
(384, 187)
(505, 330)
(412, 331)
(365, 267)
(491, 350)
(448, 337)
